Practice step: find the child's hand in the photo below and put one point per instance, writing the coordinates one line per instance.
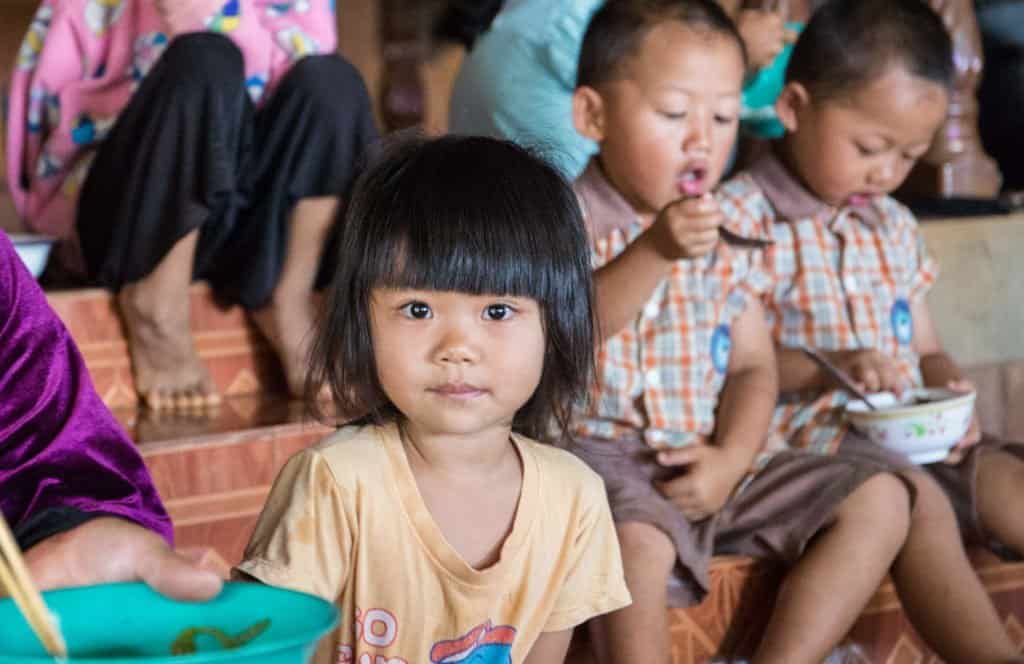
(765, 35)
(973, 435)
(686, 228)
(711, 476)
(871, 370)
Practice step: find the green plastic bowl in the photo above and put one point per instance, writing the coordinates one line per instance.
(128, 623)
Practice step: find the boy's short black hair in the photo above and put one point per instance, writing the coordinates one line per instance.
(617, 31)
(849, 43)
(466, 214)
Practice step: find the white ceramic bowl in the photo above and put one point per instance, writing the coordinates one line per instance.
(922, 432)
(33, 251)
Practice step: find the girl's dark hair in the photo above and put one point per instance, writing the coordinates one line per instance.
(849, 43)
(467, 214)
(618, 29)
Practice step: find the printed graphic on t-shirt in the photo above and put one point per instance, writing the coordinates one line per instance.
(902, 322)
(379, 629)
(483, 644)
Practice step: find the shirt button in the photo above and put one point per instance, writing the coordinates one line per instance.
(851, 283)
(653, 379)
(651, 310)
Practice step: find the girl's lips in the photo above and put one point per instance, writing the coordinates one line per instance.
(458, 390)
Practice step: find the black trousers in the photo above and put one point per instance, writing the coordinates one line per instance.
(190, 151)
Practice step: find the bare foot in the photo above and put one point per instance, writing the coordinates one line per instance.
(288, 325)
(168, 372)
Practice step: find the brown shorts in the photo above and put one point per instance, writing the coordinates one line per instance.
(777, 513)
(960, 483)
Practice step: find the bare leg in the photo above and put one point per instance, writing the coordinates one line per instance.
(1000, 495)
(639, 632)
(168, 372)
(287, 320)
(827, 589)
(939, 589)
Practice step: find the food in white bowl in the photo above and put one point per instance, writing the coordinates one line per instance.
(922, 424)
(33, 250)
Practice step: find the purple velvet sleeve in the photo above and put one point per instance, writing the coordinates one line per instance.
(59, 444)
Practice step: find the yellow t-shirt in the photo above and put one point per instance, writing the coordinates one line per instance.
(345, 521)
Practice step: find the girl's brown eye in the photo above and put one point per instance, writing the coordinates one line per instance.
(417, 310)
(497, 312)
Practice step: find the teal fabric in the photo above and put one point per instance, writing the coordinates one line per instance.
(518, 80)
(757, 117)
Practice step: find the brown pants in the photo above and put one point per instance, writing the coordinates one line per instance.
(960, 483)
(774, 516)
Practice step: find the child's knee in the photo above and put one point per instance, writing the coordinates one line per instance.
(330, 81)
(1000, 479)
(999, 463)
(205, 59)
(883, 502)
(646, 549)
(931, 505)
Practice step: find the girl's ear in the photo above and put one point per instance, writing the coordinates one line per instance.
(588, 113)
(792, 100)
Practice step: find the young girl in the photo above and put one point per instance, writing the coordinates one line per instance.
(459, 322)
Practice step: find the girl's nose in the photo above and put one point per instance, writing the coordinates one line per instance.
(457, 347)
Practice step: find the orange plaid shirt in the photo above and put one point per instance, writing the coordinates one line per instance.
(842, 279)
(659, 378)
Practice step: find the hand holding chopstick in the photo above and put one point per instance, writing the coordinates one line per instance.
(15, 579)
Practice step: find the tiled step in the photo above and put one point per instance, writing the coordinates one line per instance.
(728, 625)
(214, 472)
(239, 360)
(9, 221)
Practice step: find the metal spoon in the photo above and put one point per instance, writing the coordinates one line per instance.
(840, 375)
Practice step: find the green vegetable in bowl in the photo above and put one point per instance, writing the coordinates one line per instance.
(185, 644)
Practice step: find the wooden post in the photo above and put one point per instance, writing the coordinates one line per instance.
(956, 164)
(403, 42)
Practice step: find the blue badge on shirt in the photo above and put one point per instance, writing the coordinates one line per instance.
(721, 346)
(902, 322)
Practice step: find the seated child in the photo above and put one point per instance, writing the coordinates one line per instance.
(687, 374)
(460, 321)
(867, 87)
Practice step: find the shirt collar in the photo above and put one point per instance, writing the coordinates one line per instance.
(793, 201)
(606, 210)
(603, 206)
